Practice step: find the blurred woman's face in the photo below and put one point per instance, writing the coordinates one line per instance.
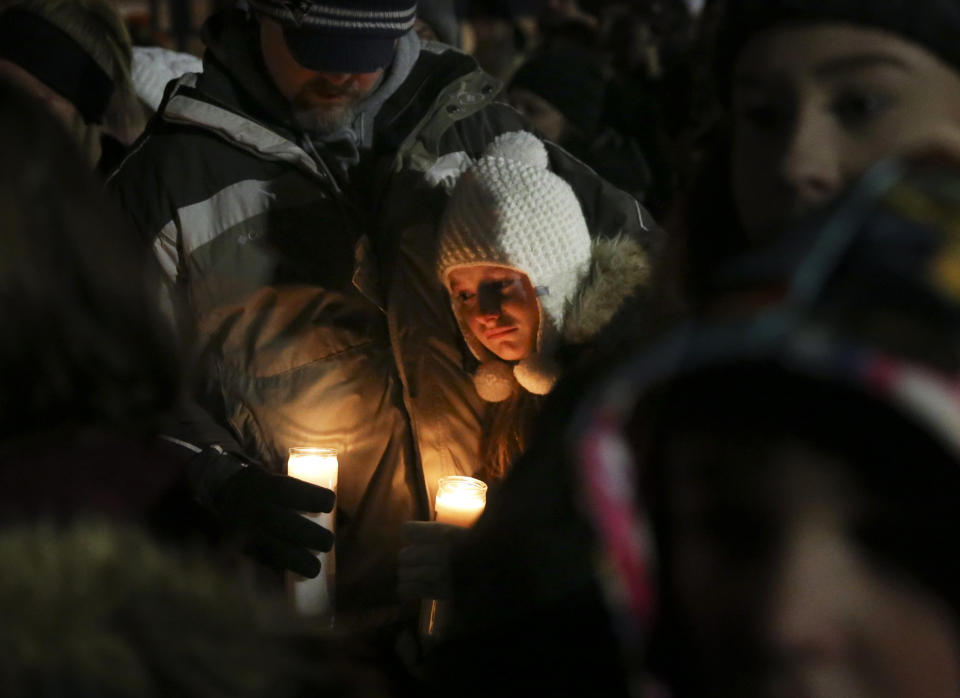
(499, 306)
(815, 105)
(778, 595)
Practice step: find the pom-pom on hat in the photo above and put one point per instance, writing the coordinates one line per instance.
(509, 210)
(341, 36)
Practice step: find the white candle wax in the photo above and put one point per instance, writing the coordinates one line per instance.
(460, 501)
(318, 466)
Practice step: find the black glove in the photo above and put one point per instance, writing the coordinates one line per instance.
(265, 508)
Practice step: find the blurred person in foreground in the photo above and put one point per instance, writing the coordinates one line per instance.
(94, 609)
(775, 485)
(74, 57)
(91, 370)
(95, 599)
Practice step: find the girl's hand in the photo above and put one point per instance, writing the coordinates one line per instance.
(424, 561)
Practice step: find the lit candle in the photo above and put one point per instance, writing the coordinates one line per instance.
(318, 466)
(460, 500)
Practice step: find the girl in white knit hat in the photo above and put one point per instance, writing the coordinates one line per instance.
(526, 282)
(527, 286)
(530, 290)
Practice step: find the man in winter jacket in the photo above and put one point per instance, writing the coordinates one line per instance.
(285, 191)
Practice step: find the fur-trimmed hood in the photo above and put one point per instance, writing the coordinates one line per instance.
(619, 268)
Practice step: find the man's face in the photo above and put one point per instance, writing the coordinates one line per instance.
(322, 102)
(815, 105)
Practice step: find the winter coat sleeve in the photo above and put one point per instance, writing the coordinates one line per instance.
(210, 452)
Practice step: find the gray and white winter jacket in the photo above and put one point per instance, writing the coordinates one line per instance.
(308, 285)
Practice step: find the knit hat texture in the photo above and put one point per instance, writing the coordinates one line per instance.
(934, 24)
(350, 36)
(509, 210)
(868, 302)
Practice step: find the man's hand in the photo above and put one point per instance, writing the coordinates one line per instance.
(266, 508)
(424, 561)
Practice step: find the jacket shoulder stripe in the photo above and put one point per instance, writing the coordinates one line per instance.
(237, 129)
(165, 250)
(204, 221)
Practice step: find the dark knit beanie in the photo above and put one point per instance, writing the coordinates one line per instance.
(343, 36)
(934, 24)
(570, 80)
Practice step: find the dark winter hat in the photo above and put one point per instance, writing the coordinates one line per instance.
(343, 36)
(570, 80)
(56, 59)
(934, 24)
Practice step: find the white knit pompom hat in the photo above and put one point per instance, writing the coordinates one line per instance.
(509, 210)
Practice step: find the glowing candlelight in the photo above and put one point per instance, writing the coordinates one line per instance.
(460, 501)
(318, 466)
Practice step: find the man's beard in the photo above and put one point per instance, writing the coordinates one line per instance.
(321, 118)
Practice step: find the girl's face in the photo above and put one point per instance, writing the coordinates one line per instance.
(815, 105)
(499, 306)
(780, 596)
